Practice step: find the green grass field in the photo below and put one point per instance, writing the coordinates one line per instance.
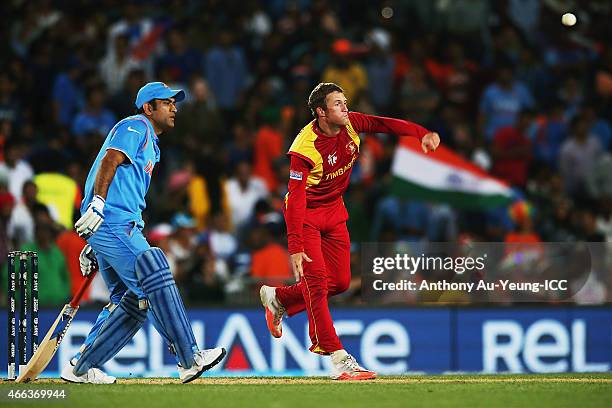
(558, 390)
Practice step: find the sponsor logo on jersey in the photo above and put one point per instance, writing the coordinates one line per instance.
(295, 175)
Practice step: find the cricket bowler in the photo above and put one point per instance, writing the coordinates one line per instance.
(322, 158)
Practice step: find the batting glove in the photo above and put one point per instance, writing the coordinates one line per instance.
(91, 220)
(88, 261)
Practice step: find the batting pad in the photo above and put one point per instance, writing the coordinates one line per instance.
(118, 328)
(165, 303)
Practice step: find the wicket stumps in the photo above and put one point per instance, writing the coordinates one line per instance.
(28, 305)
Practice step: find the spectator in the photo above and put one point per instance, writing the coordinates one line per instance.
(243, 191)
(138, 27)
(61, 194)
(557, 227)
(577, 157)
(268, 147)
(572, 96)
(346, 72)
(181, 246)
(502, 101)
(511, 150)
(199, 123)
(122, 102)
(226, 70)
(181, 60)
(597, 125)
(240, 148)
(117, 64)
(7, 202)
(419, 97)
(93, 123)
(222, 243)
(270, 260)
(599, 179)
(10, 110)
(71, 245)
(19, 170)
(379, 69)
(523, 238)
(53, 277)
(552, 132)
(68, 95)
(21, 223)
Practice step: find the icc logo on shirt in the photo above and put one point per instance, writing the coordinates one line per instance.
(332, 159)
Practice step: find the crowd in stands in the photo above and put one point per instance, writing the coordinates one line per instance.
(503, 82)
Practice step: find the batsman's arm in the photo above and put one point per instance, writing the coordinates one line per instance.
(108, 167)
(93, 216)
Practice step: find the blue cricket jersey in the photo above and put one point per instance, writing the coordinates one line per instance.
(134, 136)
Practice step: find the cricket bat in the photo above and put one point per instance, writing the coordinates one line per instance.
(52, 340)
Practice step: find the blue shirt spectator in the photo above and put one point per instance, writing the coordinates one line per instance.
(502, 101)
(181, 61)
(95, 118)
(67, 96)
(550, 136)
(226, 70)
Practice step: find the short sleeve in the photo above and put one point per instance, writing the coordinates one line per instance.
(129, 137)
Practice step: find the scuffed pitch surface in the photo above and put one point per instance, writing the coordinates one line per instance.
(557, 390)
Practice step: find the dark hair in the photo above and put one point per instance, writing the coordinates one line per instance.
(318, 95)
(140, 111)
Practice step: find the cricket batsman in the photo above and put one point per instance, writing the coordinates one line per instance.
(137, 275)
(322, 157)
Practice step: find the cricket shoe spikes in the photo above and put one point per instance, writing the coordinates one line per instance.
(274, 310)
(349, 370)
(92, 376)
(204, 360)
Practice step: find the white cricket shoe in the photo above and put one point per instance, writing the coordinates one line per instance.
(349, 370)
(274, 310)
(204, 360)
(92, 376)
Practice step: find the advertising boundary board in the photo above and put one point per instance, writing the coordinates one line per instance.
(390, 341)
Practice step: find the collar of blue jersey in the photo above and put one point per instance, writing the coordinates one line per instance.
(149, 126)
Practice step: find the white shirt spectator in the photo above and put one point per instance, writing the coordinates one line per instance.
(576, 160)
(17, 175)
(114, 71)
(21, 224)
(242, 201)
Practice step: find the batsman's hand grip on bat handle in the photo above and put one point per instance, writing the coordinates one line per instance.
(77, 297)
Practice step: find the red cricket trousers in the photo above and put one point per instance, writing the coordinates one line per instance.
(327, 243)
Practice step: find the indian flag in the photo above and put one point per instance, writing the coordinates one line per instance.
(444, 176)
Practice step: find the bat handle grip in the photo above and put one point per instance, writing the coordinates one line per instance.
(77, 298)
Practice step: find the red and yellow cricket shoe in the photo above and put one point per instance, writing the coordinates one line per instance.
(274, 310)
